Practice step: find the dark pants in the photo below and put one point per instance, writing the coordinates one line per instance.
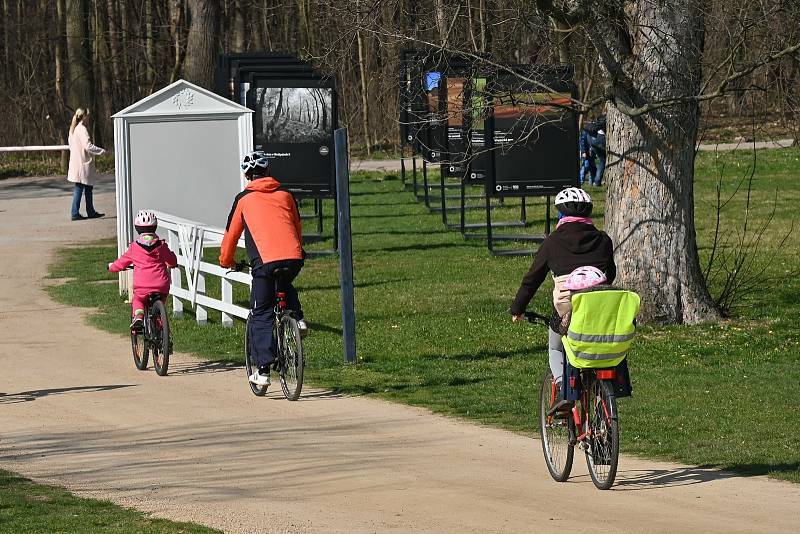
(601, 167)
(262, 303)
(86, 190)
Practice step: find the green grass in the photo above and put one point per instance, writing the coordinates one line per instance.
(433, 329)
(30, 508)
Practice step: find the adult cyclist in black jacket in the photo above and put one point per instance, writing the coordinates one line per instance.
(574, 243)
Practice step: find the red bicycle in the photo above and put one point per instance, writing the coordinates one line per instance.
(592, 423)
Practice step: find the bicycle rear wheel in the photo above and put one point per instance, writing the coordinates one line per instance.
(139, 348)
(556, 432)
(291, 355)
(249, 362)
(160, 331)
(602, 451)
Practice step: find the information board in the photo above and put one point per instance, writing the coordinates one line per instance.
(293, 123)
(532, 132)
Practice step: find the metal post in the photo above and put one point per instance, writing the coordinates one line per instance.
(547, 217)
(345, 244)
(425, 182)
(414, 174)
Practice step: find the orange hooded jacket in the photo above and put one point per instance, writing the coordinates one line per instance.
(270, 222)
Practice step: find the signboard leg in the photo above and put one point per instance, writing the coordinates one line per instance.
(345, 245)
(425, 183)
(403, 169)
(414, 174)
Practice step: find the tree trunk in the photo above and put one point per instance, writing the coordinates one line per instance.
(80, 84)
(441, 22)
(175, 28)
(201, 47)
(650, 197)
(362, 69)
(238, 27)
(62, 119)
(149, 47)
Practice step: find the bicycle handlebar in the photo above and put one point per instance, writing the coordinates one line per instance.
(536, 318)
(238, 267)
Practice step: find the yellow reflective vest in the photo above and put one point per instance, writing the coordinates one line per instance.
(601, 329)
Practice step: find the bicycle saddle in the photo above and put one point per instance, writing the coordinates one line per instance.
(154, 296)
(281, 272)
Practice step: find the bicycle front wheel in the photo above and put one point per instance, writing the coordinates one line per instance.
(249, 362)
(139, 348)
(160, 330)
(602, 451)
(556, 431)
(291, 354)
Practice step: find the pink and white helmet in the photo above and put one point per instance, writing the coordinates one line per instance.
(145, 218)
(584, 277)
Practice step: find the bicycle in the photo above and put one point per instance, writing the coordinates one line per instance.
(289, 359)
(595, 414)
(153, 336)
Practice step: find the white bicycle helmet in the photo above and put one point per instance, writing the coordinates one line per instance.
(254, 162)
(584, 277)
(145, 218)
(574, 201)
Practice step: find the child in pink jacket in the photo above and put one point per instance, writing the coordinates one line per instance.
(151, 259)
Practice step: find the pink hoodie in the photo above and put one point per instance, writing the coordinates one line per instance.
(150, 258)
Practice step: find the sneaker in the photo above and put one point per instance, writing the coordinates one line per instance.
(258, 379)
(560, 404)
(137, 323)
(78, 217)
(96, 215)
(303, 327)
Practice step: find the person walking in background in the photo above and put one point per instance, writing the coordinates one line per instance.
(587, 155)
(81, 165)
(598, 142)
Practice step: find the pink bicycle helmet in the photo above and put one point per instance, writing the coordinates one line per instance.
(145, 221)
(584, 277)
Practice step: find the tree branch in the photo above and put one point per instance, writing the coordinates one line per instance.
(720, 91)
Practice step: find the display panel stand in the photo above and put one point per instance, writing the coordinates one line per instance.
(315, 237)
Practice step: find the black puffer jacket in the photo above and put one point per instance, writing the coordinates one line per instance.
(572, 245)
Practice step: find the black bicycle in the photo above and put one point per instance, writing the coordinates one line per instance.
(289, 360)
(592, 424)
(153, 337)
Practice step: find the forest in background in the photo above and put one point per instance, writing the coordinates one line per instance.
(107, 54)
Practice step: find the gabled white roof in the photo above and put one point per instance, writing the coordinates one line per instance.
(180, 98)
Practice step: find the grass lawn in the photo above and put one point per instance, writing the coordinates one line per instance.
(433, 329)
(31, 508)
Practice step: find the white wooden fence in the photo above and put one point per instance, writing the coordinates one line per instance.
(188, 239)
(36, 148)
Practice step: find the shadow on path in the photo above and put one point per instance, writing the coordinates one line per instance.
(635, 480)
(27, 396)
(204, 367)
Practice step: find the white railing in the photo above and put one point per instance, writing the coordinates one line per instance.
(36, 148)
(187, 239)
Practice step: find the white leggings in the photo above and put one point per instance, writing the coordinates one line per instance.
(556, 351)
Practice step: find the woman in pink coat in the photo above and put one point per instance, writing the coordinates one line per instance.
(151, 260)
(81, 165)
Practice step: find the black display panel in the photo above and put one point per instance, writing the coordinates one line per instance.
(287, 70)
(225, 83)
(293, 123)
(477, 111)
(532, 133)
